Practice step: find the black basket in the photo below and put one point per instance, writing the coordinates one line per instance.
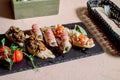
(113, 36)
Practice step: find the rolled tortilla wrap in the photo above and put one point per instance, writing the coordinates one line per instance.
(49, 37)
(62, 39)
(36, 30)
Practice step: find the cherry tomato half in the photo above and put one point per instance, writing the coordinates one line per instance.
(2, 49)
(2, 55)
(17, 56)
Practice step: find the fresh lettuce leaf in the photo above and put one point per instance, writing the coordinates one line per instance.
(80, 30)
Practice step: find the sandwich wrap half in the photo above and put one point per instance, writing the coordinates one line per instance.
(37, 32)
(49, 37)
(62, 39)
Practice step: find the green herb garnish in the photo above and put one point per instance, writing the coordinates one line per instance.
(80, 30)
(31, 58)
(13, 47)
(9, 60)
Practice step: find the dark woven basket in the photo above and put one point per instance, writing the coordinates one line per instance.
(113, 36)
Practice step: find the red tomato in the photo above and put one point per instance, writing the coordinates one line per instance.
(2, 55)
(17, 56)
(2, 49)
(60, 28)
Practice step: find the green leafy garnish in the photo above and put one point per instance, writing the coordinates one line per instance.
(39, 37)
(31, 58)
(13, 47)
(80, 30)
(9, 60)
(5, 51)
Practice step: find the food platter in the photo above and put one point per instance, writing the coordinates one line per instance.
(74, 53)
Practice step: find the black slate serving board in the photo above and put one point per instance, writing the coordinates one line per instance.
(74, 53)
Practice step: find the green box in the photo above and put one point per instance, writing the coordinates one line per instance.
(35, 8)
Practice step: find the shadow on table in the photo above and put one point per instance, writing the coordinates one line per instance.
(6, 9)
(91, 25)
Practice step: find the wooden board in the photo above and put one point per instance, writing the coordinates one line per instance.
(35, 8)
